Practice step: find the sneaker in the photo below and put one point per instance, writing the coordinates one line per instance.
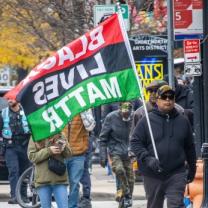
(26, 200)
(12, 201)
(119, 195)
(85, 203)
(127, 201)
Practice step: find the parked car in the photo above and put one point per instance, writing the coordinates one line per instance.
(3, 104)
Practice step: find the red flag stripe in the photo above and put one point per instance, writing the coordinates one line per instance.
(79, 49)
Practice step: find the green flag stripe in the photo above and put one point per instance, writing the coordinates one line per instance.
(117, 86)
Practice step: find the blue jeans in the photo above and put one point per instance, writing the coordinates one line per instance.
(86, 180)
(60, 194)
(75, 167)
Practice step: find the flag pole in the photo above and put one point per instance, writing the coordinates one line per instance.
(127, 43)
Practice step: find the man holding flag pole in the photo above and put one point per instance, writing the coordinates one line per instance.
(165, 176)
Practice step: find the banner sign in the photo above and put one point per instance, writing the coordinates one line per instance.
(92, 70)
(150, 55)
(150, 69)
(148, 45)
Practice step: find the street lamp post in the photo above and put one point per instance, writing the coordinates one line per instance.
(170, 46)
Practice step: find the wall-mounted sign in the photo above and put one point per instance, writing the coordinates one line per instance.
(188, 19)
(4, 76)
(193, 69)
(150, 55)
(102, 11)
(192, 50)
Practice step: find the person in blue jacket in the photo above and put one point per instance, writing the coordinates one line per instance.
(15, 133)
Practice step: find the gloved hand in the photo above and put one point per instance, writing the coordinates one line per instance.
(132, 156)
(153, 164)
(103, 162)
(191, 175)
(103, 156)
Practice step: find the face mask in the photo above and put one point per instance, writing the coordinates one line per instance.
(126, 119)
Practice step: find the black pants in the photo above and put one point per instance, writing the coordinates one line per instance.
(172, 189)
(17, 162)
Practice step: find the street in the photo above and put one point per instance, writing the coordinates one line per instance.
(95, 204)
(117, 80)
(103, 191)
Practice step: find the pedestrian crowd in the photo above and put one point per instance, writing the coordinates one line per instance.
(165, 154)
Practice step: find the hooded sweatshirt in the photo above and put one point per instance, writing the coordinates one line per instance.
(173, 139)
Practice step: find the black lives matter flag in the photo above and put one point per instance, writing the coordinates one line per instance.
(90, 71)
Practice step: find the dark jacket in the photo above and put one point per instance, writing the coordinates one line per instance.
(115, 135)
(184, 96)
(174, 143)
(140, 113)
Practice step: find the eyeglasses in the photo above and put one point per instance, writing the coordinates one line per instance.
(165, 97)
(152, 90)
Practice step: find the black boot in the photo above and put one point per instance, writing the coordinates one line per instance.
(127, 201)
(12, 201)
(85, 203)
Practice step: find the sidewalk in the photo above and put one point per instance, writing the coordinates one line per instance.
(103, 187)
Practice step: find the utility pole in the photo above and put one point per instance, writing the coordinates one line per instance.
(170, 46)
(205, 104)
(205, 69)
(200, 89)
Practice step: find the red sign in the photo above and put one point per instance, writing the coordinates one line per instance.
(188, 19)
(192, 51)
(197, 4)
(191, 46)
(182, 19)
(182, 4)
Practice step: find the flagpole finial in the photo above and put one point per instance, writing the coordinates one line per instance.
(118, 4)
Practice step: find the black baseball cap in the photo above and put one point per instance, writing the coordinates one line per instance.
(165, 89)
